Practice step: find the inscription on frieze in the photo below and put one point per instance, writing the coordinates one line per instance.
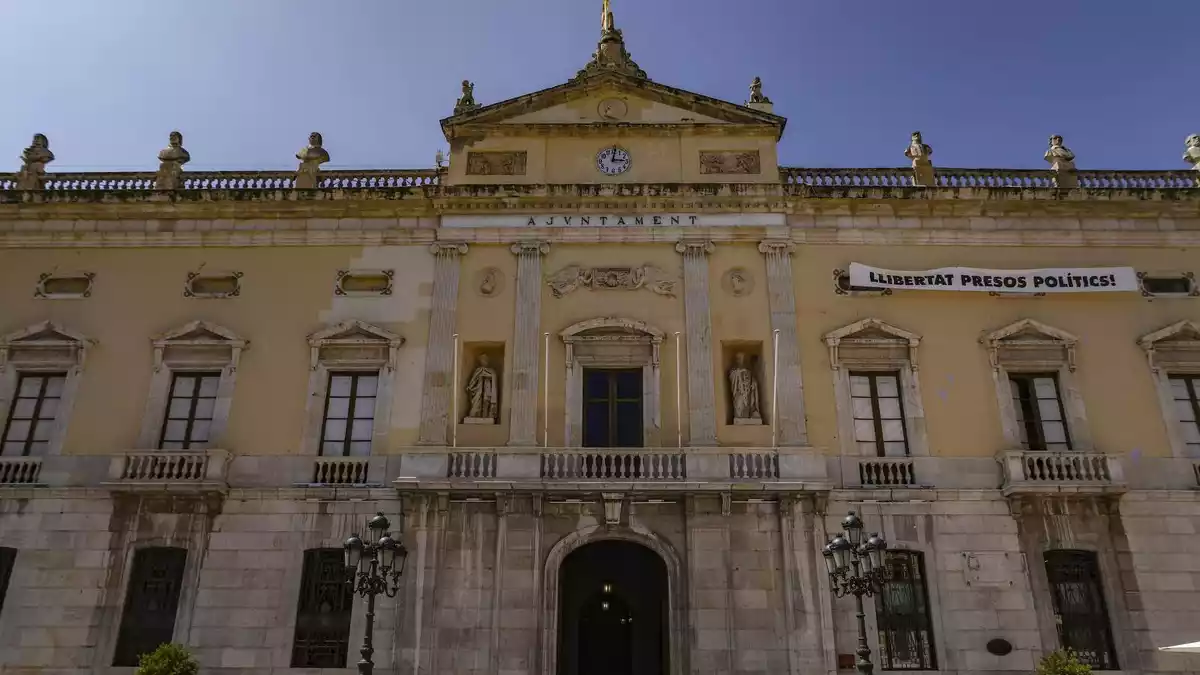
(744, 162)
(507, 163)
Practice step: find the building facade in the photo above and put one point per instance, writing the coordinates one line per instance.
(616, 376)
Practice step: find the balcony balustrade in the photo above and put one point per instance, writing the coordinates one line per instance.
(189, 471)
(20, 471)
(1035, 472)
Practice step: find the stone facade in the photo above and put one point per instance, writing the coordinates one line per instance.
(333, 399)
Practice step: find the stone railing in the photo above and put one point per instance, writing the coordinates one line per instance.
(753, 465)
(988, 178)
(1041, 472)
(20, 470)
(614, 465)
(884, 472)
(170, 470)
(340, 471)
(347, 179)
(471, 465)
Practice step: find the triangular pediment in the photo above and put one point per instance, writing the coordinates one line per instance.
(354, 331)
(1029, 330)
(46, 332)
(611, 99)
(871, 329)
(201, 332)
(1182, 332)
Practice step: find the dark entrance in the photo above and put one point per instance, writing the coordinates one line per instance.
(612, 408)
(613, 611)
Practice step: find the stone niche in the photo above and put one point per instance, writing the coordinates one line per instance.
(752, 359)
(471, 360)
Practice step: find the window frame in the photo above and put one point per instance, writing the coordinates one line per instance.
(43, 348)
(872, 346)
(127, 599)
(877, 413)
(348, 435)
(350, 347)
(1031, 414)
(1173, 351)
(1028, 346)
(35, 420)
(923, 588)
(194, 399)
(198, 346)
(8, 563)
(307, 573)
(1097, 580)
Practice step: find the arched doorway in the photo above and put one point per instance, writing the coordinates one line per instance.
(613, 611)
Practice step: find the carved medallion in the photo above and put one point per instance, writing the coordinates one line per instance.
(612, 109)
(738, 282)
(489, 282)
(743, 162)
(573, 277)
(506, 163)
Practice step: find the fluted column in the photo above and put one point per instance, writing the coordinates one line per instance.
(523, 401)
(438, 387)
(789, 423)
(702, 416)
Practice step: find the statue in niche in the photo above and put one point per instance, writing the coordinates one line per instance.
(311, 158)
(33, 163)
(484, 390)
(170, 163)
(743, 387)
(1192, 155)
(922, 162)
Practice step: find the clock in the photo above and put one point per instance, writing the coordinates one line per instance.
(613, 161)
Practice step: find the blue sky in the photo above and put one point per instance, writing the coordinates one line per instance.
(247, 80)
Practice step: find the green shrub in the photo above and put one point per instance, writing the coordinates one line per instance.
(168, 659)
(1062, 662)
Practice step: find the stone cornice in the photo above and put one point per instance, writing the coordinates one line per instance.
(622, 130)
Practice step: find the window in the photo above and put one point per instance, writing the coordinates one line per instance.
(1167, 284)
(8, 560)
(189, 410)
(1187, 410)
(151, 602)
(349, 414)
(902, 614)
(612, 408)
(32, 413)
(841, 286)
(878, 414)
(1039, 411)
(323, 612)
(1079, 608)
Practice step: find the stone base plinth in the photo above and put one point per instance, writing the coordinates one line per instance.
(479, 420)
(747, 421)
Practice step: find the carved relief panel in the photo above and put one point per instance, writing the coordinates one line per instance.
(739, 162)
(506, 163)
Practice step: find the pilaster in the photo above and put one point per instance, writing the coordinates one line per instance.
(702, 416)
(438, 386)
(523, 399)
(781, 294)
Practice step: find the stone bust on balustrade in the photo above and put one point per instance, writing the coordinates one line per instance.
(311, 158)
(170, 163)
(917, 151)
(33, 163)
(1060, 158)
(1192, 155)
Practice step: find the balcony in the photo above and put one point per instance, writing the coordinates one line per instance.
(20, 471)
(573, 469)
(1034, 472)
(173, 471)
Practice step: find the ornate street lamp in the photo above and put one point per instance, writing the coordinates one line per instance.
(373, 569)
(856, 568)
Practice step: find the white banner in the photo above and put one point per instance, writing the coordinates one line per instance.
(1053, 280)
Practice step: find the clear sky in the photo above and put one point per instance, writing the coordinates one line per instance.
(247, 80)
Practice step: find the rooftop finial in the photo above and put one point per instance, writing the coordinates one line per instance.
(607, 25)
(611, 54)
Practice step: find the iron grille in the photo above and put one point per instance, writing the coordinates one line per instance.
(1079, 608)
(902, 615)
(150, 603)
(323, 616)
(8, 559)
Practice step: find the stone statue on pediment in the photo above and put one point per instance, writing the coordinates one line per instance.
(756, 92)
(1192, 155)
(466, 102)
(170, 163)
(743, 388)
(311, 158)
(33, 163)
(922, 160)
(484, 391)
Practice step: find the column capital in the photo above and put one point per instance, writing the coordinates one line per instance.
(694, 247)
(448, 248)
(784, 246)
(530, 248)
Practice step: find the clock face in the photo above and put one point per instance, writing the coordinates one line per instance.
(613, 161)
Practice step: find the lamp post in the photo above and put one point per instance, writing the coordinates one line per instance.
(856, 568)
(373, 568)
